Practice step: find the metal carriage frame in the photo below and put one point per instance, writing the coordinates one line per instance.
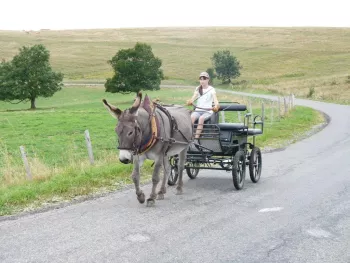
(225, 146)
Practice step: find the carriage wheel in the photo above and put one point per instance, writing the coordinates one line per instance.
(192, 172)
(255, 164)
(174, 173)
(238, 170)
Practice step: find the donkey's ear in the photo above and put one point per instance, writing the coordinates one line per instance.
(114, 111)
(147, 104)
(136, 104)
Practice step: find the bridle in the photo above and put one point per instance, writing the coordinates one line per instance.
(135, 147)
(140, 144)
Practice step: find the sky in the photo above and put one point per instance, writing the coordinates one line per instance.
(90, 14)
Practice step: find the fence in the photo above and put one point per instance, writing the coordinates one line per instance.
(270, 111)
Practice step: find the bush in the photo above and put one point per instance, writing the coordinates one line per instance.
(311, 92)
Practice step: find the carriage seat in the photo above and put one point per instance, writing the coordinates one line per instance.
(254, 132)
(239, 127)
(231, 126)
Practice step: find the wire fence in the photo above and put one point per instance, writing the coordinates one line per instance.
(270, 111)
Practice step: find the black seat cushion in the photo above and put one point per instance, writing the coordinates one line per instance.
(254, 131)
(239, 127)
(231, 126)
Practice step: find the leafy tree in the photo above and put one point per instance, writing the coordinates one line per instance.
(135, 69)
(227, 67)
(212, 74)
(29, 76)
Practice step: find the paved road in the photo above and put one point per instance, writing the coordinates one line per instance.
(298, 212)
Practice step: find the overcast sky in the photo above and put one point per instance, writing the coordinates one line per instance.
(78, 14)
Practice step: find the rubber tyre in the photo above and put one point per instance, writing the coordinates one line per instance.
(239, 170)
(172, 179)
(174, 174)
(255, 164)
(192, 172)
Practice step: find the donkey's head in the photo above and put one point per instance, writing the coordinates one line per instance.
(128, 129)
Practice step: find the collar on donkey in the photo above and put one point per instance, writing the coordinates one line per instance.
(148, 142)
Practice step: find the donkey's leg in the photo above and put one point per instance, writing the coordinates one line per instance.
(155, 180)
(166, 168)
(136, 178)
(181, 164)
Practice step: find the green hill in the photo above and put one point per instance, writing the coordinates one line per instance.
(275, 59)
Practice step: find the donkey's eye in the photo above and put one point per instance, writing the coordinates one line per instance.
(130, 133)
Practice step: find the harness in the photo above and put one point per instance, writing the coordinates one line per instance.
(173, 128)
(147, 143)
(142, 145)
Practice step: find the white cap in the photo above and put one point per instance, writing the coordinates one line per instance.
(204, 74)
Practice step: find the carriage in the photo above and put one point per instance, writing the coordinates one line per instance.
(225, 146)
(222, 146)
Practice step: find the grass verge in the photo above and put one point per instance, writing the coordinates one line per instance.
(66, 186)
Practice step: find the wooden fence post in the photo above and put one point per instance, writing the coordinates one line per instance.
(250, 107)
(223, 116)
(285, 105)
(279, 108)
(26, 164)
(262, 111)
(272, 111)
(89, 146)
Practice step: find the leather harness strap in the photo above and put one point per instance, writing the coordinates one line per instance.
(149, 142)
(173, 128)
(145, 146)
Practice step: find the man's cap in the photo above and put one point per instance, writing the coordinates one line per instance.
(204, 74)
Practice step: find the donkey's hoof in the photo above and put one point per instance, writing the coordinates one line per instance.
(150, 202)
(141, 198)
(179, 191)
(160, 196)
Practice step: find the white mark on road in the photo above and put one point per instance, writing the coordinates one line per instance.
(138, 238)
(272, 209)
(318, 232)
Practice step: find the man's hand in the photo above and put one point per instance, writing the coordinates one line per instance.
(216, 108)
(189, 102)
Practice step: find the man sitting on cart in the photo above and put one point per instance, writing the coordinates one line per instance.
(205, 97)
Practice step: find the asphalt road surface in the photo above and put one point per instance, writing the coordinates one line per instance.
(299, 211)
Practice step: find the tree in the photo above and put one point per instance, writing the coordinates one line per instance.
(212, 74)
(226, 66)
(29, 76)
(135, 69)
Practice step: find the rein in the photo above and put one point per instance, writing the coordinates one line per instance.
(207, 109)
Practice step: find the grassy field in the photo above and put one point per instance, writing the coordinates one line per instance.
(309, 62)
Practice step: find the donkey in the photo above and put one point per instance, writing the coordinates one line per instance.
(150, 131)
